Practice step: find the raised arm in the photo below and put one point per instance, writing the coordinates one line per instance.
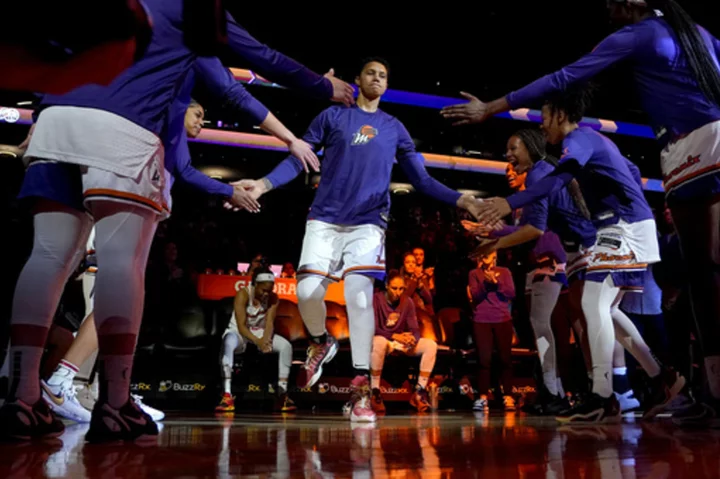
(613, 49)
(284, 70)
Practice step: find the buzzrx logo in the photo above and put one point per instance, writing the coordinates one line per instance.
(171, 386)
(364, 135)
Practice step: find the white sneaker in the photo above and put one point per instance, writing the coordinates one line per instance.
(627, 401)
(481, 404)
(155, 414)
(86, 396)
(62, 399)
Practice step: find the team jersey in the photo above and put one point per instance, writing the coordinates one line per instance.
(360, 150)
(611, 185)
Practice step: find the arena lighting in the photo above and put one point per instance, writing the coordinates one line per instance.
(267, 142)
(437, 102)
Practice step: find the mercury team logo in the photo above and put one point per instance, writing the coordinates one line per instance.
(364, 135)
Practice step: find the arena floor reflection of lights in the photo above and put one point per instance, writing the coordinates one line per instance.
(429, 446)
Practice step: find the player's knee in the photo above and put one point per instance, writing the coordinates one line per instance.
(310, 289)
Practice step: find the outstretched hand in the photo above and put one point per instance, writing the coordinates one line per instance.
(474, 111)
(304, 152)
(245, 195)
(342, 91)
(492, 211)
(480, 229)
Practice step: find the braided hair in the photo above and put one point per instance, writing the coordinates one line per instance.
(535, 144)
(693, 46)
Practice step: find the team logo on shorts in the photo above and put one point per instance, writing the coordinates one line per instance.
(364, 135)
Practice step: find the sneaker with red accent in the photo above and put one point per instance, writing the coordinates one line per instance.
(20, 421)
(317, 356)
(378, 405)
(420, 400)
(361, 404)
(129, 423)
(227, 404)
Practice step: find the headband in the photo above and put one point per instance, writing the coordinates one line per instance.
(265, 278)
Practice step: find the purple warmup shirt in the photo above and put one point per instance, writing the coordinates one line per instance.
(391, 320)
(491, 302)
(610, 182)
(144, 92)
(360, 150)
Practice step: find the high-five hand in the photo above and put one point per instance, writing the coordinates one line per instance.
(474, 111)
(342, 91)
(493, 210)
(245, 198)
(304, 152)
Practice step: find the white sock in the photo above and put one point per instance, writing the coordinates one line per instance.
(283, 384)
(361, 318)
(227, 383)
(620, 371)
(597, 302)
(712, 369)
(64, 374)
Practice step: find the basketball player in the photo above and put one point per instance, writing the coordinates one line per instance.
(528, 160)
(58, 391)
(79, 164)
(565, 212)
(345, 232)
(675, 65)
(253, 321)
(626, 243)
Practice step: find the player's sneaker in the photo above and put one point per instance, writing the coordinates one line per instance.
(360, 397)
(87, 394)
(155, 414)
(129, 423)
(378, 405)
(227, 404)
(20, 421)
(481, 404)
(287, 404)
(62, 399)
(593, 409)
(317, 356)
(420, 400)
(663, 389)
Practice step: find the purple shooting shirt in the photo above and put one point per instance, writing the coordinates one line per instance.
(360, 150)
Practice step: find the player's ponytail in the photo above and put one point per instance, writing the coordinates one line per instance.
(693, 45)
